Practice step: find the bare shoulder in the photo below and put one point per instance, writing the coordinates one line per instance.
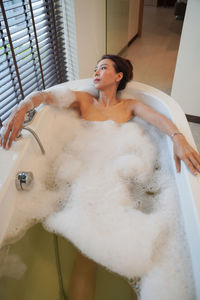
(139, 108)
(82, 101)
(83, 97)
(131, 103)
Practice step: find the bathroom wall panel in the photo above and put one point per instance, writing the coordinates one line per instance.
(90, 17)
(101, 22)
(134, 11)
(117, 25)
(185, 89)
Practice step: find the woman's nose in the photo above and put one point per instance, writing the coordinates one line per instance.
(96, 72)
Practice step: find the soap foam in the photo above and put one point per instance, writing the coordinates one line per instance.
(108, 189)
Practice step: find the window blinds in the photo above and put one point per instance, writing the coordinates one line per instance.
(32, 54)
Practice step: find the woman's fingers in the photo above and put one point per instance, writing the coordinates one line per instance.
(13, 128)
(11, 138)
(18, 133)
(6, 135)
(192, 162)
(195, 160)
(183, 151)
(197, 157)
(178, 163)
(10, 134)
(15, 132)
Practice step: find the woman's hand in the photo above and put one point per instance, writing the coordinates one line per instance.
(12, 129)
(183, 151)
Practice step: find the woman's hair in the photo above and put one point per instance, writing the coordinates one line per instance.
(121, 65)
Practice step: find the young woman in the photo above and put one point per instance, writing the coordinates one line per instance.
(111, 75)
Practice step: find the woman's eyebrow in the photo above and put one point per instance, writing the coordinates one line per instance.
(101, 65)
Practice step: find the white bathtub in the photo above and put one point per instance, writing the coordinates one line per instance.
(21, 157)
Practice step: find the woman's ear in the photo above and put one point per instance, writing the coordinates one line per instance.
(119, 76)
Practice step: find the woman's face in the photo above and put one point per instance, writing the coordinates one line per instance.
(105, 75)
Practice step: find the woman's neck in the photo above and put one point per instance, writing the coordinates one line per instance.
(108, 97)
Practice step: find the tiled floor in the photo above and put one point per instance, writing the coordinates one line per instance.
(154, 54)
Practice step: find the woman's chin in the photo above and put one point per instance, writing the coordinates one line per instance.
(97, 86)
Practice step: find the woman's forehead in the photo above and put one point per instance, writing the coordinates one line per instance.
(105, 61)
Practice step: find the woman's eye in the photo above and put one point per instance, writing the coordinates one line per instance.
(102, 68)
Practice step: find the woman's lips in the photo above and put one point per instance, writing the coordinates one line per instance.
(96, 80)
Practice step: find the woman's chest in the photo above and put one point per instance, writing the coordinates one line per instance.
(118, 113)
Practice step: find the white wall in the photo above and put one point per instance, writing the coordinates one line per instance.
(186, 84)
(90, 33)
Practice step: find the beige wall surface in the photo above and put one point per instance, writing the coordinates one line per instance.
(90, 32)
(186, 84)
(134, 10)
(90, 17)
(117, 25)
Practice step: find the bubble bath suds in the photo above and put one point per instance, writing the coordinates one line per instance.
(108, 189)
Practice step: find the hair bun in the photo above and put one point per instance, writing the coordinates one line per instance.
(130, 74)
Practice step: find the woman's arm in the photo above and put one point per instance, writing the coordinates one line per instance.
(54, 97)
(182, 149)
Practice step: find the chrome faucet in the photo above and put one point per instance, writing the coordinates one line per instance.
(29, 116)
(24, 180)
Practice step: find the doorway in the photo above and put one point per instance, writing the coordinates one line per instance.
(154, 53)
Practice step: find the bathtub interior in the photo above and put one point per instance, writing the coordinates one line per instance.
(40, 279)
(22, 155)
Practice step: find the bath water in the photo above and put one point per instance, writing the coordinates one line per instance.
(40, 278)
